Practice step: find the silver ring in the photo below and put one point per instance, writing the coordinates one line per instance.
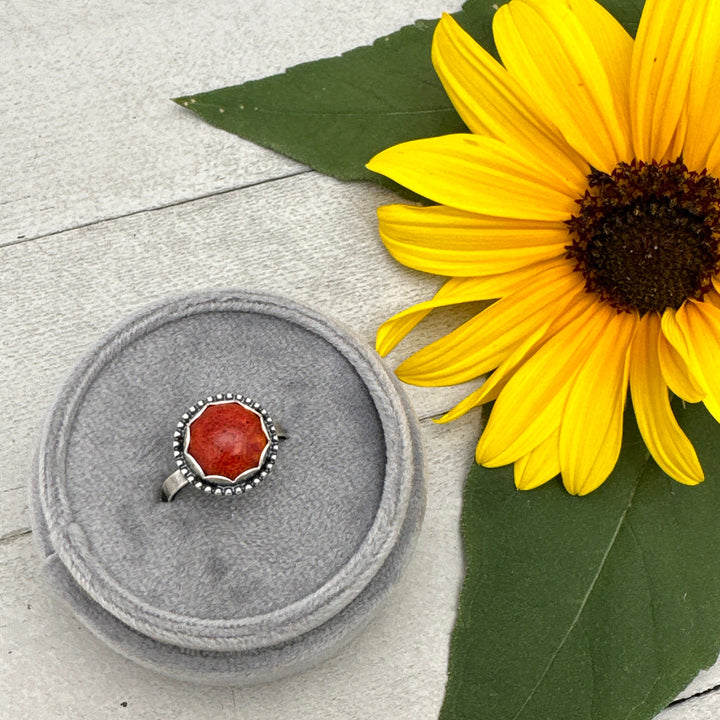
(223, 445)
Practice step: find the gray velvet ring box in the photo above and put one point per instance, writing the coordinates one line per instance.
(239, 589)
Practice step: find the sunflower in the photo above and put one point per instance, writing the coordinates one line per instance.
(585, 203)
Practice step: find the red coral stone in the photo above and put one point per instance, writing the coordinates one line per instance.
(227, 439)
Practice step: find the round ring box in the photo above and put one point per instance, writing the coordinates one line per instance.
(246, 588)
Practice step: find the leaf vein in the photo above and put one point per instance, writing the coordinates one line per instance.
(652, 616)
(349, 113)
(583, 603)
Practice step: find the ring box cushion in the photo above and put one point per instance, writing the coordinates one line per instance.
(233, 589)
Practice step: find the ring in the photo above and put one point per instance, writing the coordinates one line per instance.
(223, 445)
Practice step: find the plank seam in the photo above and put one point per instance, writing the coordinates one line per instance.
(175, 203)
(696, 695)
(14, 535)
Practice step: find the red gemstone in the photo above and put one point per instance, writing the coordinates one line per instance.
(227, 439)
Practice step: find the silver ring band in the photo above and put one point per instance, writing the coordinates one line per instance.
(173, 484)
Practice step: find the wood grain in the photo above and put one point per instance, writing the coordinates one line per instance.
(89, 131)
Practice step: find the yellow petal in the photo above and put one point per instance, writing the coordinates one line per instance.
(539, 465)
(577, 303)
(491, 388)
(676, 373)
(702, 146)
(445, 241)
(484, 341)
(591, 427)
(675, 149)
(492, 103)
(456, 291)
(574, 65)
(713, 162)
(660, 73)
(694, 331)
(530, 407)
(713, 296)
(478, 174)
(702, 141)
(667, 443)
(614, 47)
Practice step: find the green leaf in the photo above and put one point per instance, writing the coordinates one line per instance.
(601, 607)
(335, 114)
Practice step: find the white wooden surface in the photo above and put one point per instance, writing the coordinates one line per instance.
(112, 197)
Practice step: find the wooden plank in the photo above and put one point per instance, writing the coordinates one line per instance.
(309, 237)
(88, 129)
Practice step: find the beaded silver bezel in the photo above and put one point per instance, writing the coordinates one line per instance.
(217, 485)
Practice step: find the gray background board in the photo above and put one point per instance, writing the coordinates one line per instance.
(112, 198)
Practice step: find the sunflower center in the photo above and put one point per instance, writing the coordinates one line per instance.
(647, 236)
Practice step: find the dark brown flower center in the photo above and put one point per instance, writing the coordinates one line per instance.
(647, 236)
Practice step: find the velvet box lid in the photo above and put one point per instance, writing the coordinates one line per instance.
(249, 587)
